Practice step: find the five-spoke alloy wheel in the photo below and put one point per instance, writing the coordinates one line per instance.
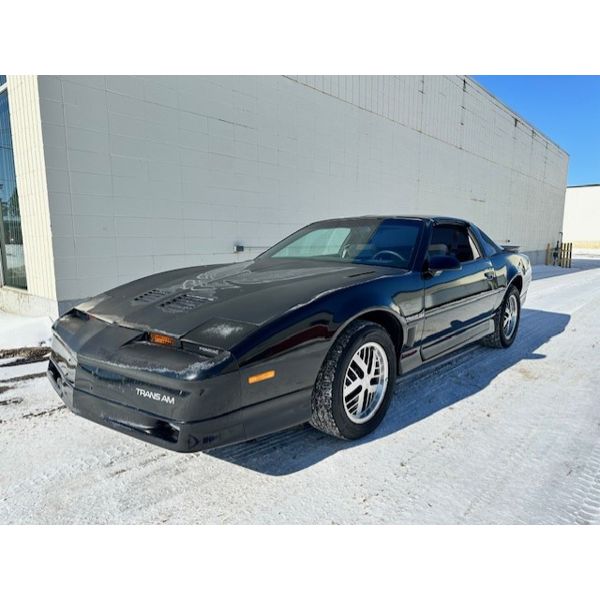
(365, 382)
(510, 316)
(356, 382)
(506, 321)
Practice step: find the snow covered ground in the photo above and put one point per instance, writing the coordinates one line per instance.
(17, 331)
(487, 436)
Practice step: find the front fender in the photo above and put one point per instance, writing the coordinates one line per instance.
(397, 315)
(296, 343)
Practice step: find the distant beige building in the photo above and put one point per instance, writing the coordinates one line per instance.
(582, 216)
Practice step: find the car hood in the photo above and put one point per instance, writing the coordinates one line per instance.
(226, 302)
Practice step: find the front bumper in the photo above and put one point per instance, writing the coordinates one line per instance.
(180, 435)
(171, 397)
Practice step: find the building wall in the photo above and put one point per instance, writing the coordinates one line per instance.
(582, 216)
(152, 173)
(30, 170)
(450, 147)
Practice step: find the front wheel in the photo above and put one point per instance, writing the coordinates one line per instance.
(506, 321)
(355, 384)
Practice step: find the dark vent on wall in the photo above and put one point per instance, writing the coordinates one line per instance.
(150, 296)
(183, 303)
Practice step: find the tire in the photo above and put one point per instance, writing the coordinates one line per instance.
(330, 413)
(503, 337)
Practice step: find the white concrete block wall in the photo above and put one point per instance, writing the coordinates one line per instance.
(477, 158)
(582, 216)
(152, 173)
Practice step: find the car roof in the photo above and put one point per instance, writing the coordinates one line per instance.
(430, 218)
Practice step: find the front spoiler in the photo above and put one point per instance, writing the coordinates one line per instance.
(186, 436)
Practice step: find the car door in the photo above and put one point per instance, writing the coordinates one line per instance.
(458, 304)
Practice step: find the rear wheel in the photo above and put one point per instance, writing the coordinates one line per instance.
(506, 321)
(355, 384)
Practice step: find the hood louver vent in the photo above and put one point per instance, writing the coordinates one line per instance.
(182, 303)
(150, 296)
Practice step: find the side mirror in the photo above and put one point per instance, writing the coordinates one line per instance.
(443, 263)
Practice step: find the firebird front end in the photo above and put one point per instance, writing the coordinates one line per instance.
(172, 392)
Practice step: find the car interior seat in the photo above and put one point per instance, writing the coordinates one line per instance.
(438, 250)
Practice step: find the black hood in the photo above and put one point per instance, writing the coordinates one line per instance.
(249, 293)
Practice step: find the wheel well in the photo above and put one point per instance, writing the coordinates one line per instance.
(518, 283)
(389, 323)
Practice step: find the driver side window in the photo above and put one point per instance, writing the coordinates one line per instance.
(453, 240)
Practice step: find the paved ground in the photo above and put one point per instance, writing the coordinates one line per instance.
(488, 436)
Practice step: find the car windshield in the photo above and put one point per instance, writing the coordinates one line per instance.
(388, 242)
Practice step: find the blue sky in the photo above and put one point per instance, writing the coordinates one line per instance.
(564, 107)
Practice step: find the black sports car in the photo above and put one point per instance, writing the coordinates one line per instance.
(315, 329)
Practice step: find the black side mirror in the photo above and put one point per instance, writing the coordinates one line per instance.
(440, 263)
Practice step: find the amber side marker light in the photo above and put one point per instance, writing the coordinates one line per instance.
(161, 338)
(261, 376)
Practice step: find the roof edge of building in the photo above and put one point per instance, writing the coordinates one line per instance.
(516, 114)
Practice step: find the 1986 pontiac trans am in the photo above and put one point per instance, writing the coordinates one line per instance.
(316, 329)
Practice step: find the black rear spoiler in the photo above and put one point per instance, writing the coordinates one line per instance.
(511, 248)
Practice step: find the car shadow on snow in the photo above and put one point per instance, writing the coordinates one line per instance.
(417, 396)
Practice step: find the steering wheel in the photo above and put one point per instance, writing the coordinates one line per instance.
(394, 254)
(344, 250)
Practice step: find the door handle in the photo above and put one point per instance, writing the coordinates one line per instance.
(490, 274)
